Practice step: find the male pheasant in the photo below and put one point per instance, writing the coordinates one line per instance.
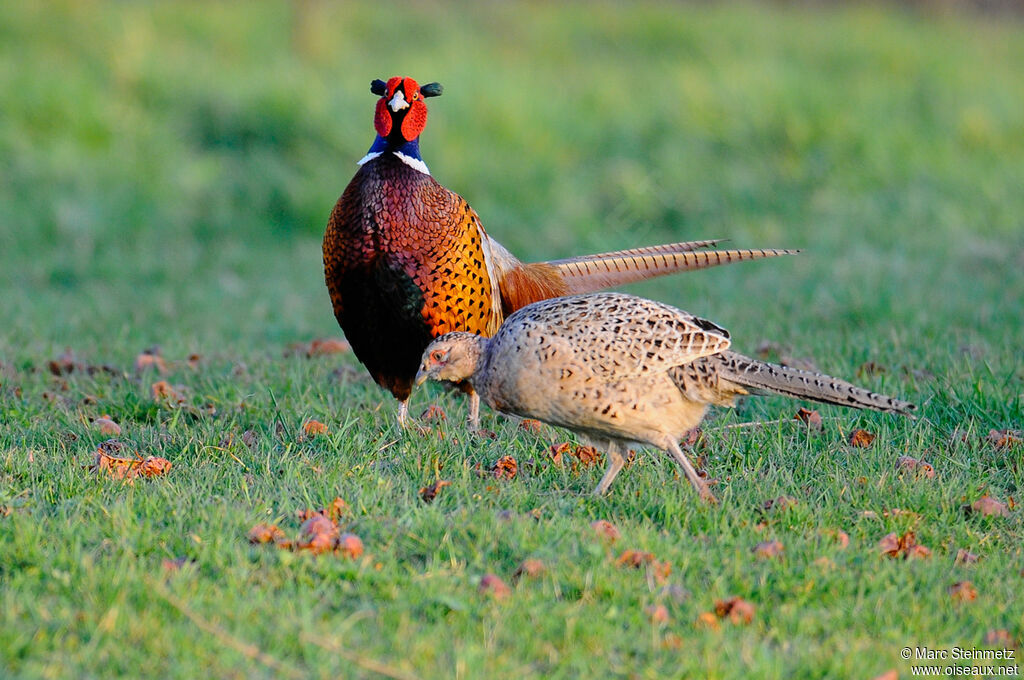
(619, 369)
(407, 260)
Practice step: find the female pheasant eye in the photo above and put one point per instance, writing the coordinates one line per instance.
(437, 356)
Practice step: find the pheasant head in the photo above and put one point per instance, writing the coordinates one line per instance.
(453, 357)
(401, 113)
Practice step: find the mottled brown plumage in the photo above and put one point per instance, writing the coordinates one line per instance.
(406, 260)
(619, 369)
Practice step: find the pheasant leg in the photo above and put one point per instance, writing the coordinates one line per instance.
(615, 462)
(699, 484)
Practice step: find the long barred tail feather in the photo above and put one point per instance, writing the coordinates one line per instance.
(793, 382)
(590, 273)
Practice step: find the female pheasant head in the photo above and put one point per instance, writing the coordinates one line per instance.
(453, 357)
(399, 118)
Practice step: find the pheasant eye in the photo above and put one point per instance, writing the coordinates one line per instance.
(437, 356)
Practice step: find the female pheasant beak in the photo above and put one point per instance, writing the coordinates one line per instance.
(434, 360)
(400, 109)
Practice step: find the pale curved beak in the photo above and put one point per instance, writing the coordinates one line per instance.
(421, 377)
(398, 102)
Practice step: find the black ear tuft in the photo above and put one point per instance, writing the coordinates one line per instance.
(431, 90)
(378, 87)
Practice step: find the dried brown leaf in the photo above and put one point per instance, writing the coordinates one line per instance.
(861, 438)
(736, 609)
(265, 533)
(963, 591)
(986, 506)
(841, 538)
(1000, 637)
(162, 390)
(150, 358)
(492, 586)
(530, 425)
(505, 468)
(918, 467)
(811, 418)
(634, 559)
(779, 504)
(657, 614)
(768, 549)
(127, 469)
(530, 567)
(1004, 439)
(433, 414)
(325, 346)
(707, 620)
(314, 428)
(429, 493)
(105, 426)
(605, 530)
(350, 546)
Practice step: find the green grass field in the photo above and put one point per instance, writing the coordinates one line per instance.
(166, 171)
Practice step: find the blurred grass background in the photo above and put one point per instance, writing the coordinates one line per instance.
(166, 168)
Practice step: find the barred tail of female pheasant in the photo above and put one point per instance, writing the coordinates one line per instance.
(590, 273)
(793, 382)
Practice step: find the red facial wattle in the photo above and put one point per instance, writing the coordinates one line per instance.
(414, 118)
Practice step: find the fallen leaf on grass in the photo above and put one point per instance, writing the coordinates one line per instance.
(692, 438)
(105, 426)
(312, 428)
(1004, 439)
(999, 637)
(318, 535)
(657, 613)
(905, 546)
(162, 390)
(492, 586)
(337, 509)
(768, 549)
(987, 506)
(350, 546)
(861, 438)
(127, 469)
(963, 591)
(433, 413)
(170, 566)
(605, 530)
(581, 456)
(634, 558)
(707, 620)
(66, 363)
(810, 418)
(265, 533)
(150, 358)
(325, 346)
(841, 538)
(587, 456)
(779, 504)
(736, 609)
(964, 556)
(918, 467)
(530, 567)
(505, 468)
(429, 493)
(530, 425)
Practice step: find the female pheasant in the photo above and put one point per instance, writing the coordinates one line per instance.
(407, 260)
(620, 369)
